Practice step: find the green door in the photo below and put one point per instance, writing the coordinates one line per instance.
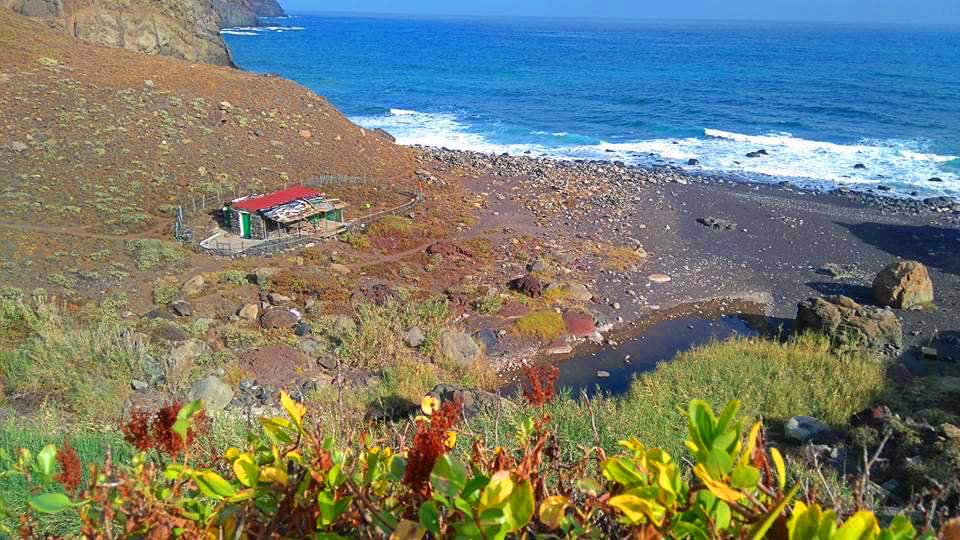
(245, 224)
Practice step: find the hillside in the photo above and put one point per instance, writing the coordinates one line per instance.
(105, 141)
(185, 29)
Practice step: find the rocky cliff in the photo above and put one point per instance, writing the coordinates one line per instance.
(245, 12)
(185, 29)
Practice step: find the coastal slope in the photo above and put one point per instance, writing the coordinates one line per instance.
(184, 29)
(104, 139)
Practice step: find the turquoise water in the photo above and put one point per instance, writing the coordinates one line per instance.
(819, 98)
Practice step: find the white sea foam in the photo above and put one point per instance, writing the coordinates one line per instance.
(903, 165)
(257, 30)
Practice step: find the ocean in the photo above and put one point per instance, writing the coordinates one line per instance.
(831, 104)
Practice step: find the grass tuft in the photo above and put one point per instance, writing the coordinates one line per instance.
(149, 254)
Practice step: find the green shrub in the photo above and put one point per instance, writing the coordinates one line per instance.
(165, 290)
(149, 254)
(233, 277)
(358, 241)
(734, 486)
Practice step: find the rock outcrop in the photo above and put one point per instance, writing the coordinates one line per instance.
(185, 29)
(903, 285)
(245, 12)
(846, 321)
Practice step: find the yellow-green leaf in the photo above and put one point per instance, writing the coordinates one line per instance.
(637, 509)
(294, 409)
(718, 488)
(552, 510)
(246, 470)
(860, 526)
(780, 466)
(497, 491)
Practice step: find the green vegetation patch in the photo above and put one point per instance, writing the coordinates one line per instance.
(773, 380)
(545, 325)
(149, 254)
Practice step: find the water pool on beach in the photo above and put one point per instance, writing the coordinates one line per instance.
(820, 98)
(660, 342)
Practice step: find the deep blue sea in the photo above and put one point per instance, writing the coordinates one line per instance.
(820, 98)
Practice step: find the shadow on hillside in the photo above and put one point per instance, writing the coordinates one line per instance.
(936, 247)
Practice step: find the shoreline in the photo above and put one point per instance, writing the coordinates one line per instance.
(715, 237)
(676, 174)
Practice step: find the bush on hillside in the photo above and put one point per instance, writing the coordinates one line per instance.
(292, 481)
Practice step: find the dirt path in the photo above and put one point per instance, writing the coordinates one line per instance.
(72, 231)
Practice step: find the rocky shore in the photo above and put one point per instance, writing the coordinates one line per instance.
(711, 238)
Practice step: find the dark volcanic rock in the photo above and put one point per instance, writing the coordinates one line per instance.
(859, 166)
(529, 285)
(245, 12)
(472, 400)
(279, 318)
(717, 223)
(692, 161)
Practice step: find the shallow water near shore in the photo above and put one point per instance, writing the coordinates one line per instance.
(611, 369)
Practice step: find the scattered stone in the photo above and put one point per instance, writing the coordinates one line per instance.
(717, 223)
(301, 329)
(214, 392)
(182, 308)
(930, 353)
(529, 285)
(226, 106)
(193, 286)
(473, 400)
(261, 276)
(603, 374)
(18, 147)
(277, 299)
(279, 318)
(903, 285)
(139, 386)
(414, 337)
(305, 133)
(935, 179)
(834, 270)
(184, 356)
(859, 166)
(249, 312)
(692, 161)
(572, 289)
(489, 341)
(658, 278)
(801, 429)
(847, 322)
(148, 83)
(458, 347)
(341, 269)
(539, 266)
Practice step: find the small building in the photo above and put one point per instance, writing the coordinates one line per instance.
(295, 210)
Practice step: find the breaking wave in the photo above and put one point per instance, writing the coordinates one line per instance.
(905, 166)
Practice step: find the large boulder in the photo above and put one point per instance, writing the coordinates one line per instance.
(194, 286)
(249, 312)
(185, 355)
(279, 318)
(570, 289)
(903, 285)
(214, 392)
(262, 275)
(458, 347)
(846, 321)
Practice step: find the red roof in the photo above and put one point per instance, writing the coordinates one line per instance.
(276, 198)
